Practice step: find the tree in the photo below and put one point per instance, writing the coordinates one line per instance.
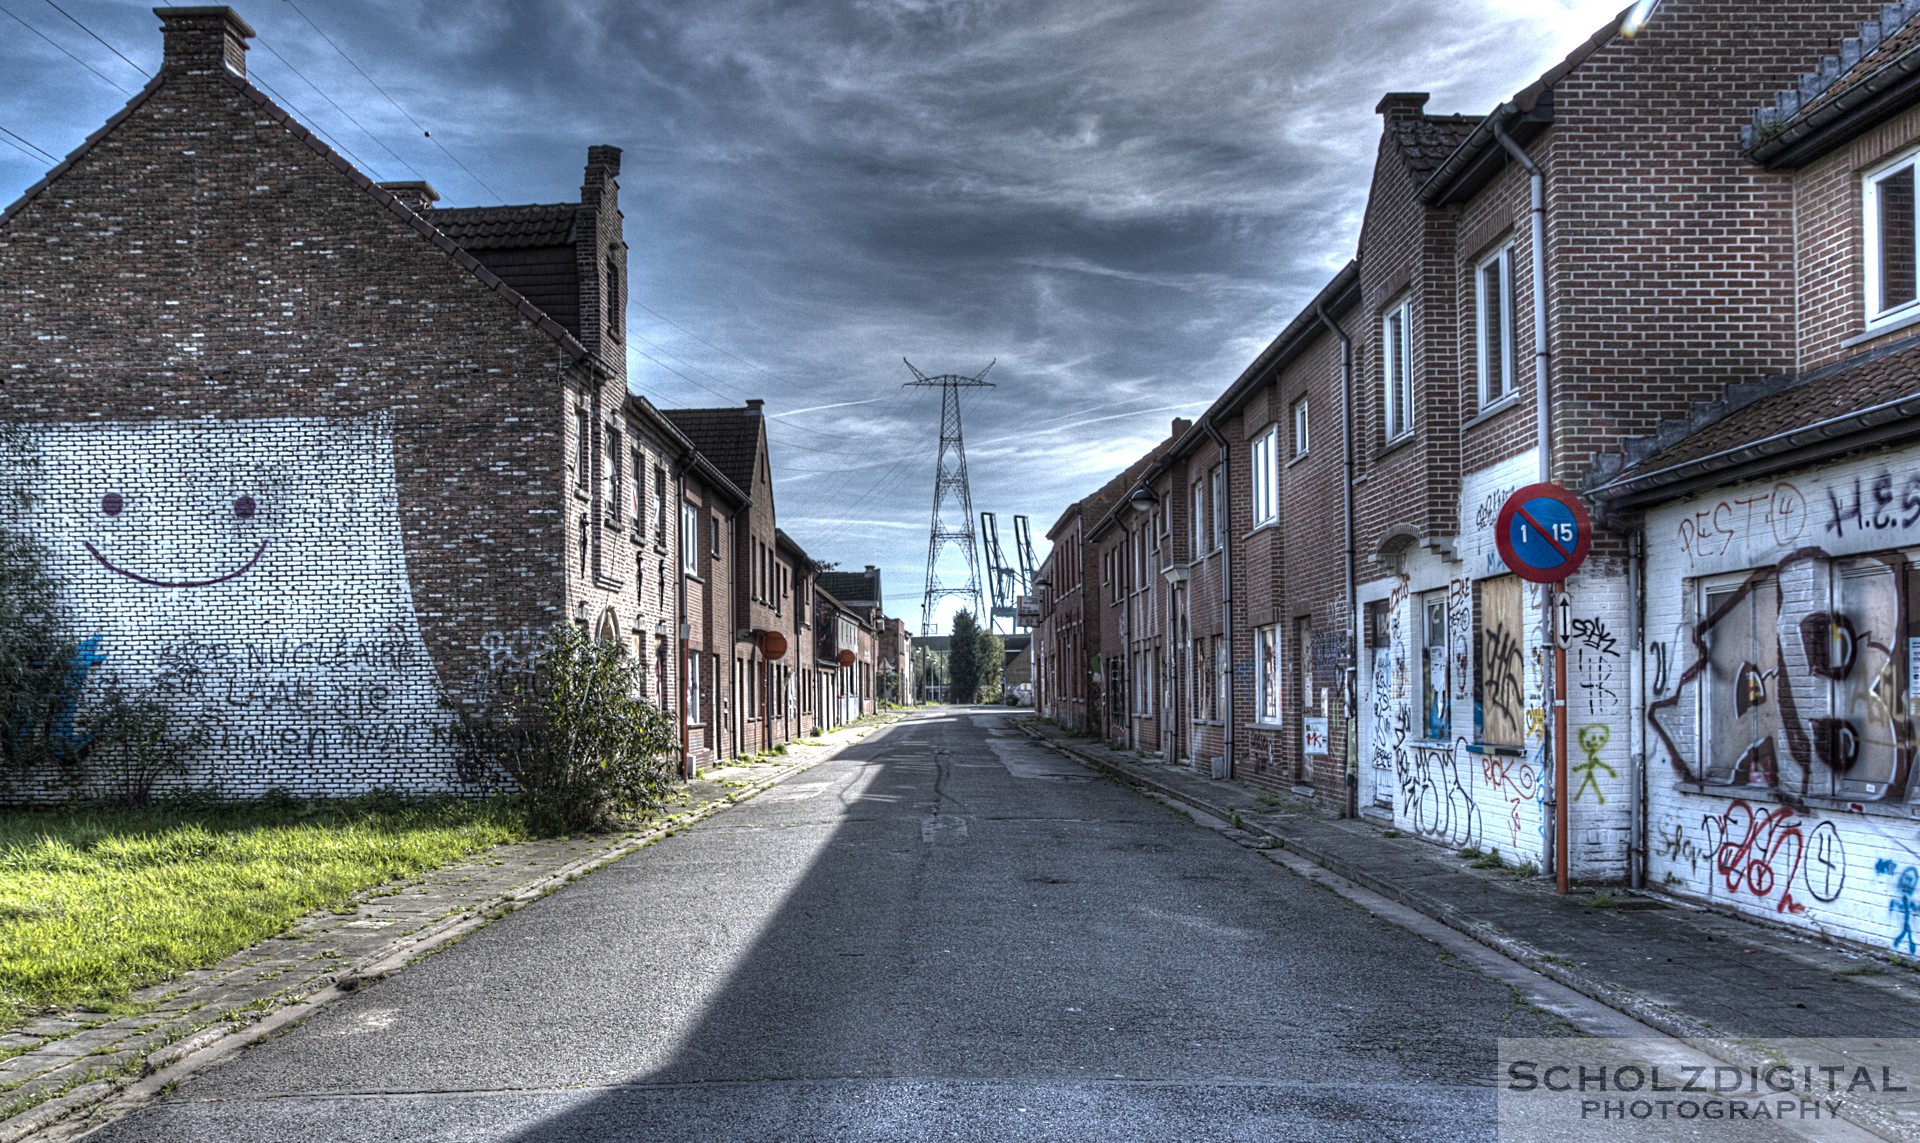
(965, 671)
(993, 662)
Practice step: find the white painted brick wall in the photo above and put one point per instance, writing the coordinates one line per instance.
(1844, 866)
(1456, 796)
(261, 562)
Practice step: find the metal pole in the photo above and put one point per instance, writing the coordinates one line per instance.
(1561, 803)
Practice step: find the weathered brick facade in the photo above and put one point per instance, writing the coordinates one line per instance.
(326, 452)
(1720, 379)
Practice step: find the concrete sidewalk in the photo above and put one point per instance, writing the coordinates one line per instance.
(65, 1074)
(1733, 987)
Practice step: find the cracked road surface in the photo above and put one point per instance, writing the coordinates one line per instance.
(948, 932)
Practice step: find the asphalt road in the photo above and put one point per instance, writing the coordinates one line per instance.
(948, 932)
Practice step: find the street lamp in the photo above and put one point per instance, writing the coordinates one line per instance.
(1143, 499)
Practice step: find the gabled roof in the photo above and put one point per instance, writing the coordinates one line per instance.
(1789, 421)
(1875, 75)
(508, 227)
(1425, 141)
(852, 587)
(728, 438)
(1524, 117)
(427, 230)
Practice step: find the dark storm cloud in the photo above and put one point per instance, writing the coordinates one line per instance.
(1121, 201)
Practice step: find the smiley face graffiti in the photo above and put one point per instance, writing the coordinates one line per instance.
(115, 507)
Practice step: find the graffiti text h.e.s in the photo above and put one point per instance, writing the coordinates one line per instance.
(1875, 505)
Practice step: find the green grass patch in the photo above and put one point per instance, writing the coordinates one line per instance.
(97, 902)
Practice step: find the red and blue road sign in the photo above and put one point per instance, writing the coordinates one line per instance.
(1543, 533)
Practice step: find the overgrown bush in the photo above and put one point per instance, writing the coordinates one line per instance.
(572, 730)
(60, 720)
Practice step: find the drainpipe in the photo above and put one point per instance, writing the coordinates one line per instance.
(1636, 714)
(1543, 433)
(1226, 584)
(1542, 375)
(1348, 679)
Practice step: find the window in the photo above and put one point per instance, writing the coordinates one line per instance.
(1436, 718)
(582, 447)
(1493, 324)
(1499, 662)
(659, 504)
(1197, 522)
(1888, 200)
(1800, 671)
(714, 543)
(1219, 507)
(1264, 473)
(612, 311)
(689, 539)
(1300, 427)
(640, 490)
(1222, 677)
(693, 689)
(586, 541)
(1266, 675)
(616, 495)
(1396, 372)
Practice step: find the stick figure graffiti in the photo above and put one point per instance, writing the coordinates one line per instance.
(1592, 740)
(1901, 906)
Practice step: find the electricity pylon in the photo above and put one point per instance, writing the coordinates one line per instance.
(950, 484)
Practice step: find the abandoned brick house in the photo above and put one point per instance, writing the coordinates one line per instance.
(322, 450)
(1654, 278)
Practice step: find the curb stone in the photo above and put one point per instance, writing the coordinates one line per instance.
(1253, 834)
(94, 1100)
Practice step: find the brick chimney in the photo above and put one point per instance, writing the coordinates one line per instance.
(1402, 105)
(755, 406)
(201, 39)
(1180, 427)
(417, 195)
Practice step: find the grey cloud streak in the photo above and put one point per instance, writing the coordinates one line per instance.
(1119, 201)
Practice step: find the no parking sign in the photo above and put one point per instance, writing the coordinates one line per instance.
(1543, 533)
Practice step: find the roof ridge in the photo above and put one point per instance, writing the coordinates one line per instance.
(408, 215)
(1768, 120)
(304, 134)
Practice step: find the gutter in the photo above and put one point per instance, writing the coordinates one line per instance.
(1873, 100)
(1885, 423)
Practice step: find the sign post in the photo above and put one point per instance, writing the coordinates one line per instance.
(1543, 534)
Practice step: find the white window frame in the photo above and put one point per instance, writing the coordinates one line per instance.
(1396, 371)
(1266, 691)
(1877, 315)
(1218, 480)
(1263, 471)
(1302, 428)
(1198, 530)
(693, 711)
(1494, 388)
(689, 538)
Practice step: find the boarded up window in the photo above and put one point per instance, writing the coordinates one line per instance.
(1499, 662)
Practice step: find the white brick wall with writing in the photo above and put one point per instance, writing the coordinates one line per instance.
(1454, 702)
(258, 564)
(1781, 660)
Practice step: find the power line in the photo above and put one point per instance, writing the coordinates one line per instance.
(424, 133)
(48, 155)
(103, 43)
(306, 119)
(375, 139)
(63, 50)
(709, 376)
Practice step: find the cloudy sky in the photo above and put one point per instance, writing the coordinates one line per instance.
(1119, 201)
